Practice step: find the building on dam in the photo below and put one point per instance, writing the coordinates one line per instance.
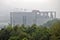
(33, 17)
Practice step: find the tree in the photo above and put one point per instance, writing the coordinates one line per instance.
(55, 31)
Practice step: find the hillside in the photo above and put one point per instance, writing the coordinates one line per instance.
(51, 22)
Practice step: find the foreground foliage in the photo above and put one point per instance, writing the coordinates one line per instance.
(33, 32)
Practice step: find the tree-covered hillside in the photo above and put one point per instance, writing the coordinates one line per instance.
(51, 22)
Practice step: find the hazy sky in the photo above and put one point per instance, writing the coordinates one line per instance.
(8, 5)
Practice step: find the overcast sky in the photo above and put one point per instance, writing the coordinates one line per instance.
(8, 5)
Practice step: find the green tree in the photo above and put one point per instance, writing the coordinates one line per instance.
(55, 31)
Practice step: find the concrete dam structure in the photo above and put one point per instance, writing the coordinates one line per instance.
(33, 17)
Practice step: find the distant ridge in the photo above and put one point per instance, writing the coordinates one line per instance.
(51, 22)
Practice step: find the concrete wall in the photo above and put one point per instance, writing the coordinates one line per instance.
(29, 18)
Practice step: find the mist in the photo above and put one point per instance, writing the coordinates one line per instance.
(6, 6)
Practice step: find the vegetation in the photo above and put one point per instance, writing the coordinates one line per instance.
(33, 32)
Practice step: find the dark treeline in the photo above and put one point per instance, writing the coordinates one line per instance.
(33, 32)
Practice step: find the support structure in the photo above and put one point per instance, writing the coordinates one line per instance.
(28, 18)
(24, 20)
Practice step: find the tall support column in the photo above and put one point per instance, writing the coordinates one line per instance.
(43, 13)
(36, 18)
(11, 19)
(24, 20)
(47, 14)
(51, 14)
(35, 13)
(55, 15)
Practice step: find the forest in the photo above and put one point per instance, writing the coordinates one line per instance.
(34, 32)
